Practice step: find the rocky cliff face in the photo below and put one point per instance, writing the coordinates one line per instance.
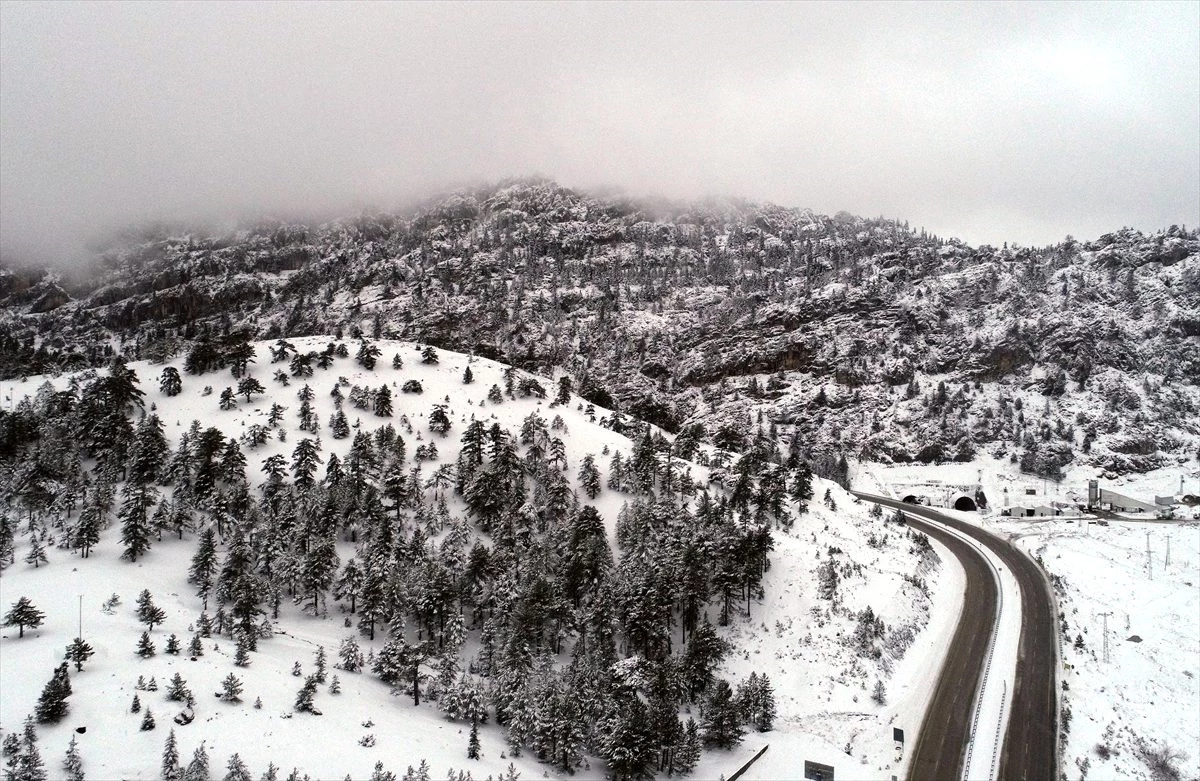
(849, 335)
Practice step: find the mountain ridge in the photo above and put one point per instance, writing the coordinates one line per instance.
(867, 338)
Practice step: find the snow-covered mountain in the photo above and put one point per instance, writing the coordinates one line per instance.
(864, 337)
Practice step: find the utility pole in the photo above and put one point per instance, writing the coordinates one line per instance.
(1105, 617)
(1167, 560)
(1149, 562)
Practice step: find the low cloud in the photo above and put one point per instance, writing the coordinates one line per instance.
(992, 122)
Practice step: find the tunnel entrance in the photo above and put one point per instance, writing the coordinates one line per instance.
(910, 499)
(965, 503)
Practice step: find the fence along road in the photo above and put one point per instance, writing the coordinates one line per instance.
(1031, 744)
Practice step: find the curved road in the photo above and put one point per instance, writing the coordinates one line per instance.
(1030, 750)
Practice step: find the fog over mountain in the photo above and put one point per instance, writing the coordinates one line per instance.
(990, 122)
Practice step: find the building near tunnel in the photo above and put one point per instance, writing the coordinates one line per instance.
(1104, 499)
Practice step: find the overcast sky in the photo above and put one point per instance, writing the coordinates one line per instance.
(987, 121)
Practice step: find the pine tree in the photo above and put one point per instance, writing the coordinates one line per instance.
(177, 690)
(171, 770)
(383, 402)
(721, 726)
(468, 377)
(24, 614)
(705, 649)
(349, 584)
(339, 428)
(429, 355)
(197, 769)
(231, 689)
(228, 399)
(37, 552)
(169, 382)
(350, 656)
(320, 664)
(397, 361)
(248, 386)
(304, 697)
(78, 652)
(52, 705)
(589, 477)
(564, 390)
(136, 705)
(147, 612)
(173, 645)
(335, 685)
(86, 533)
(73, 762)
(367, 355)
(689, 751)
(10, 749)
(148, 721)
(801, 489)
(145, 648)
(237, 770)
(135, 521)
(473, 743)
(196, 646)
(241, 655)
(29, 765)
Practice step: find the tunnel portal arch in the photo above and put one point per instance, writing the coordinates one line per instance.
(965, 503)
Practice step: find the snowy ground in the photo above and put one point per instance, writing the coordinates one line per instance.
(1147, 690)
(822, 687)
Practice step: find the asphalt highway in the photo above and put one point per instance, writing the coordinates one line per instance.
(1030, 751)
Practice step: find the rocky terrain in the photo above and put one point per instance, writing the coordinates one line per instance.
(856, 338)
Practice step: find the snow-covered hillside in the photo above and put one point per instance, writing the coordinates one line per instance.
(864, 337)
(842, 597)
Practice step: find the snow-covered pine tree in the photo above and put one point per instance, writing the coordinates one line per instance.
(52, 705)
(350, 656)
(78, 652)
(196, 646)
(177, 689)
(319, 662)
(197, 768)
(147, 612)
(171, 769)
(721, 726)
(304, 697)
(135, 520)
(231, 689)
(689, 750)
(204, 565)
(473, 743)
(29, 763)
(37, 552)
(148, 722)
(172, 645)
(237, 770)
(145, 648)
(23, 614)
(589, 477)
(73, 762)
